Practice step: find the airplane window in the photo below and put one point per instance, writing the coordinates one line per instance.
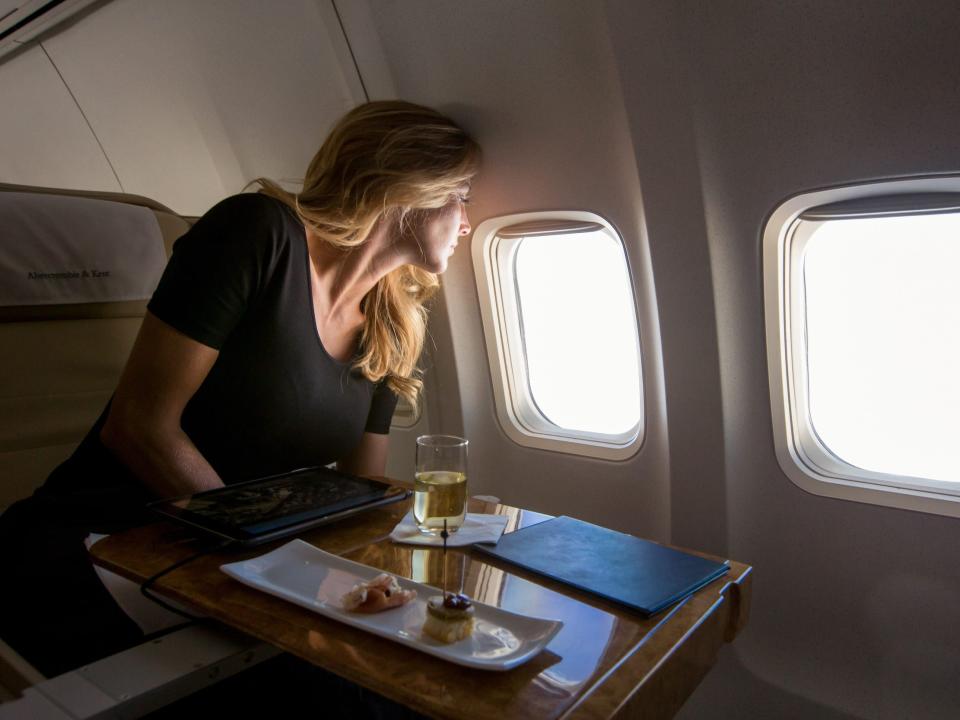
(863, 332)
(883, 337)
(562, 335)
(577, 320)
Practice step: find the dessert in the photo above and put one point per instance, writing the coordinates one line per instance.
(377, 595)
(449, 618)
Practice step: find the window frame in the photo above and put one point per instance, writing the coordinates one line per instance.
(406, 415)
(803, 457)
(494, 263)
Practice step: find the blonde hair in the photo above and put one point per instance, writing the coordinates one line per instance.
(385, 160)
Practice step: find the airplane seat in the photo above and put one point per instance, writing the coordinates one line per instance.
(76, 271)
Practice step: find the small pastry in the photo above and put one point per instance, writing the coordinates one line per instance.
(381, 593)
(449, 618)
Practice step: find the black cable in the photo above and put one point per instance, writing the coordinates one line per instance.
(145, 586)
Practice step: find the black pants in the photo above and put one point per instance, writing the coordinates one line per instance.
(54, 610)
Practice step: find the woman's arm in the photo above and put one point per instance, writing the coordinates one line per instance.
(369, 458)
(143, 428)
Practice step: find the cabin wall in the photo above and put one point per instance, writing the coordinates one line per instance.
(856, 607)
(536, 84)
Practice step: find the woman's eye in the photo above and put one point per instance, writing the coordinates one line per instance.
(465, 199)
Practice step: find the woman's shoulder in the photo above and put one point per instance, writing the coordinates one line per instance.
(247, 219)
(251, 207)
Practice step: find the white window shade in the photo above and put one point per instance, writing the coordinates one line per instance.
(882, 339)
(579, 331)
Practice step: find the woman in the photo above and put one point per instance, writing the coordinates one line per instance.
(280, 336)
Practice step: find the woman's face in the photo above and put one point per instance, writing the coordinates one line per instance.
(433, 236)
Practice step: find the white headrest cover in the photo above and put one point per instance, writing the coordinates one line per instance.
(58, 249)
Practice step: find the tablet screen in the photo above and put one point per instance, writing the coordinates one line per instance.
(261, 507)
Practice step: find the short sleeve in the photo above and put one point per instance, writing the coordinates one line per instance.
(218, 267)
(381, 409)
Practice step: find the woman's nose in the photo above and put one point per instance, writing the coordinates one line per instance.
(464, 223)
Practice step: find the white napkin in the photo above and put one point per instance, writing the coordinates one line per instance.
(475, 528)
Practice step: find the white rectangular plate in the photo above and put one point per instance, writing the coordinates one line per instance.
(317, 580)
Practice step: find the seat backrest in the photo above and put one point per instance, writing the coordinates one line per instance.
(76, 271)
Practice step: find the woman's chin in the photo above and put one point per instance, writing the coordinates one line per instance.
(436, 265)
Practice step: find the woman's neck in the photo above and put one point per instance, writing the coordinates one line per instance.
(343, 277)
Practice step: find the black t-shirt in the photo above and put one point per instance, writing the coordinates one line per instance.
(274, 400)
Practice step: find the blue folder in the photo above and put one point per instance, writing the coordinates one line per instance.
(638, 573)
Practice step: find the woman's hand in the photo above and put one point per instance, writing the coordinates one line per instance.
(143, 428)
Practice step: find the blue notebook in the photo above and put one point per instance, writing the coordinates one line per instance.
(638, 573)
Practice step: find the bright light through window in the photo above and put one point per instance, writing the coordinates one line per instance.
(883, 341)
(579, 331)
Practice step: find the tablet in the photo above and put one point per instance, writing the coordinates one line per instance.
(264, 509)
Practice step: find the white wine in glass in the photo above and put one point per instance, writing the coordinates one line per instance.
(440, 484)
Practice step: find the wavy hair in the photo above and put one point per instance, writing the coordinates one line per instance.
(385, 160)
